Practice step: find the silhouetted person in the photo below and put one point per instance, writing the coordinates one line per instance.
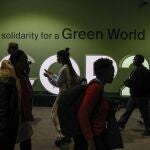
(138, 82)
(19, 61)
(93, 125)
(65, 79)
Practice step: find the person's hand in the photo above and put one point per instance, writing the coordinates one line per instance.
(47, 73)
(91, 145)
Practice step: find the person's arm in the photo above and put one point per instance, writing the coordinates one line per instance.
(90, 100)
(51, 76)
(26, 98)
(62, 78)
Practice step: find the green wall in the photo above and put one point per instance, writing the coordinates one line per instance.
(52, 16)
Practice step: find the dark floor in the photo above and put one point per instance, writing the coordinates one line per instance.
(45, 133)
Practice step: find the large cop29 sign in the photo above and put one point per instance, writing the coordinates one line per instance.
(89, 60)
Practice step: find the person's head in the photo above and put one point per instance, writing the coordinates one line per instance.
(12, 47)
(63, 56)
(104, 70)
(138, 60)
(19, 60)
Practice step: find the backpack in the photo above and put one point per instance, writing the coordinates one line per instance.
(67, 109)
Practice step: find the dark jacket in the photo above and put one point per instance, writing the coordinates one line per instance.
(9, 111)
(139, 82)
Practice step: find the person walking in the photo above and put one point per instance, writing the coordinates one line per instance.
(138, 82)
(66, 78)
(94, 109)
